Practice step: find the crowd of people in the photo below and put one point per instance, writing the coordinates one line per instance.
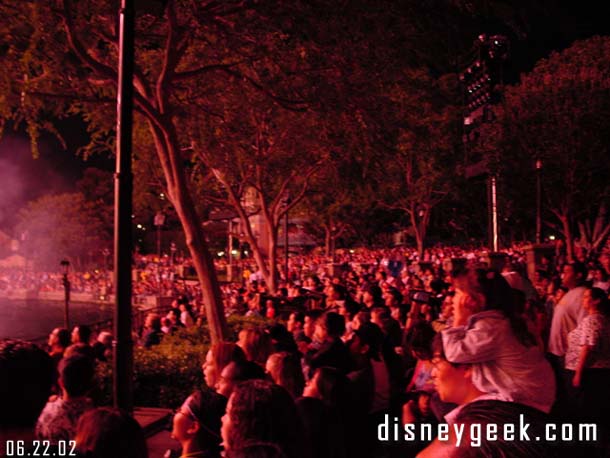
(381, 340)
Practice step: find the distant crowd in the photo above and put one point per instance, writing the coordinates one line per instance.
(378, 338)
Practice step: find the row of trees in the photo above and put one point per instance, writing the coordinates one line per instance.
(335, 109)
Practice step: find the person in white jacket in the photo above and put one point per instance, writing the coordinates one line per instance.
(504, 357)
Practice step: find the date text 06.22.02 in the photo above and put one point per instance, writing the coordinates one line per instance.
(38, 448)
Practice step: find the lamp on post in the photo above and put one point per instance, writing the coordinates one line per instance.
(159, 221)
(172, 250)
(65, 264)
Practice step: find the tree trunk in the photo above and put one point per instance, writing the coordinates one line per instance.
(272, 277)
(420, 246)
(567, 233)
(204, 266)
(419, 229)
(327, 241)
(180, 197)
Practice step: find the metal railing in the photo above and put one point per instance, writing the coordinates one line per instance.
(138, 317)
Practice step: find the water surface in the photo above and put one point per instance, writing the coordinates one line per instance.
(31, 319)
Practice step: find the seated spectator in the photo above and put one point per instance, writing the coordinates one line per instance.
(285, 370)
(109, 433)
(59, 340)
(196, 424)
(58, 419)
(236, 372)
(27, 374)
(217, 358)
(260, 411)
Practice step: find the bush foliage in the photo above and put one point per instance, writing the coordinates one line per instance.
(166, 374)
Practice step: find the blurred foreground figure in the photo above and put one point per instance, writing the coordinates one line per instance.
(26, 376)
(110, 433)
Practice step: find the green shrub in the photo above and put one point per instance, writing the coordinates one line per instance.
(166, 374)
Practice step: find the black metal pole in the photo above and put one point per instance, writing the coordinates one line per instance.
(65, 265)
(538, 201)
(230, 251)
(66, 301)
(159, 242)
(123, 190)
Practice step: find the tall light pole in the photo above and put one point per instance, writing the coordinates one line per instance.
(159, 221)
(494, 213)
(483, 82)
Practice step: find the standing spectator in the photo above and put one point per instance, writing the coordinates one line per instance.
(600, 278)
(295, 325)
(102, 348)
(26, 376)
(588, 359)
(236, 372)
(59, 340)
(260, 411)
(285, 370)
(332, 352)
(81, 334)
(110, 433)
(196, 424)
(256, 344)
(217, 358)
(58, 419)
(568, 311)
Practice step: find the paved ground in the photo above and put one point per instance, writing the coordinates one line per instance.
(154, 422)
(159, 443)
